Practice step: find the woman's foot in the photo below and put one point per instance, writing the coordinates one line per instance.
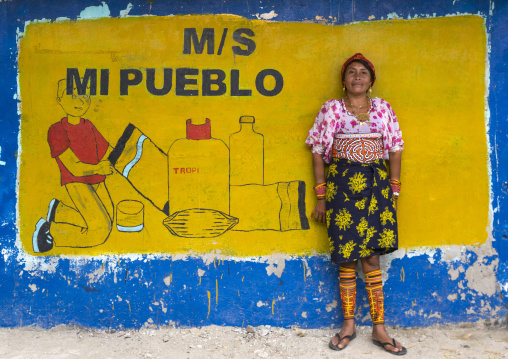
(382, 338)
(347, 331)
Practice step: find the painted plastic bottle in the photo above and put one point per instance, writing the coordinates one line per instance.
(246, 154)
(198, 168)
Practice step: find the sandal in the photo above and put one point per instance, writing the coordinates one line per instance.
(403, 351)
(336, 347)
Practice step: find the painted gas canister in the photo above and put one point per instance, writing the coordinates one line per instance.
(246, 154)
(198, 171)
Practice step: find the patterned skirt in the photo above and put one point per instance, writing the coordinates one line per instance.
(360, 210)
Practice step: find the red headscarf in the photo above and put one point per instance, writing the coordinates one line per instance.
(358, 56)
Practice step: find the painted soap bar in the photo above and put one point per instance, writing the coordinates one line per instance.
(199, 223)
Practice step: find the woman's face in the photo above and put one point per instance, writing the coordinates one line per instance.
(357, 78)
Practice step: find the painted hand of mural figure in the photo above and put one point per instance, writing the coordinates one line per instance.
(355, 135)
(104, 166)
(81, 153)
(80, 169)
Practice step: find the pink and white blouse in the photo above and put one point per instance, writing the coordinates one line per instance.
(334, 119)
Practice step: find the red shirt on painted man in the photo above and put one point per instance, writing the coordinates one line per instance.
(84, 140)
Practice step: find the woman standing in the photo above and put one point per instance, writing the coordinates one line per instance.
(358, 199)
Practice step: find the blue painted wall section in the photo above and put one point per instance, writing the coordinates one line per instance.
(154, 292)
(498, 106)
(422, 287)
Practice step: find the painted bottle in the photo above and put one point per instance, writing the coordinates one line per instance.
(198, 171)
(246, 154)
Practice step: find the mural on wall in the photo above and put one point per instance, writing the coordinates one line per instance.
(185, 134)
(437, 69)
(81, 154)
(199, 171)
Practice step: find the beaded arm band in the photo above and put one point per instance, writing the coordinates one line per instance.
(396, 186)
(320, 190)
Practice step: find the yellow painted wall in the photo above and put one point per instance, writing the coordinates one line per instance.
(432, 71)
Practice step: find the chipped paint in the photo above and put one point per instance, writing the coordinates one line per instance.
(454, 273)
(163, 307)
(95, 12)
(481, 277)
(331, 306)
(2, 163)
(276, 264)
(124, 13)
(267, 16)
(452, 297)
(96, 275)
(307, 272)
(393, 15)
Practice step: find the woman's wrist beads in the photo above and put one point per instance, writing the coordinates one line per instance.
(396, 186)
(320, 190)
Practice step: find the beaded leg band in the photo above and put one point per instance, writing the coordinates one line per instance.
(374, 285)
(347, 278)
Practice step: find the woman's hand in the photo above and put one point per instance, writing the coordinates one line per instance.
(319, 213)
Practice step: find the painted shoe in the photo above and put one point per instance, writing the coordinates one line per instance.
(42, 240)
(50, 217)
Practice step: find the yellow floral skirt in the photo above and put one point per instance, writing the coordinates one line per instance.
(360, 210)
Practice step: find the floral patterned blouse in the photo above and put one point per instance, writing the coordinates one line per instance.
(334, 118)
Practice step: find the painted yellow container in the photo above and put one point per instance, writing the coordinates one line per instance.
(130, 216)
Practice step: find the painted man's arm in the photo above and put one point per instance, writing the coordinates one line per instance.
(80, 169)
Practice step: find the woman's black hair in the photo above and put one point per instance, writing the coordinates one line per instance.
(364, 63)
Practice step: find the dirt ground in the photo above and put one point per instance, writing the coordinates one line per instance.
(462, 341)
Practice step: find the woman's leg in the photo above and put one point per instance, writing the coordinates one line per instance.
(374, 287)
(347, 283)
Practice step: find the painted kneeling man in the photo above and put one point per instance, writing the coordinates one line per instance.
(81, 153)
